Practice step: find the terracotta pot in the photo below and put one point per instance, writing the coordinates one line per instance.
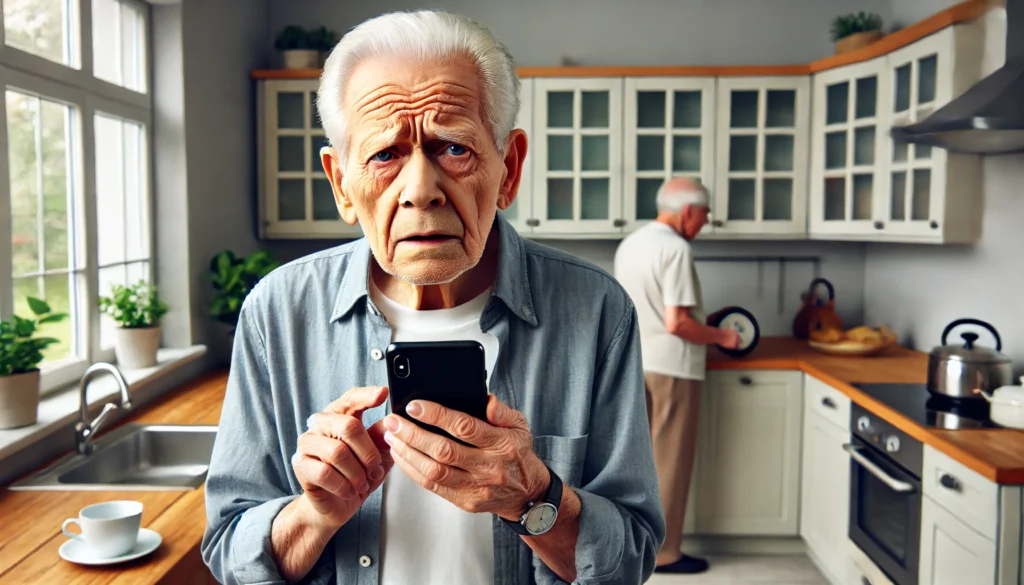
(19, 400)
(301, 59)
(135, 348)
(857, 41)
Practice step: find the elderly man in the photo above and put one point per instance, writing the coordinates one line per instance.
(419, 108)
(655, 265)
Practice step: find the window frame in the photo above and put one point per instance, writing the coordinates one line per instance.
(88, 95)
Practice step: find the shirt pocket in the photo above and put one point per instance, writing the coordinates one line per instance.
(564, 455)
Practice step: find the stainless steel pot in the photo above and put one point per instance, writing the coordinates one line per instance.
(955, 371)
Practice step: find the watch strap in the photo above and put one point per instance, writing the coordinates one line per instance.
(552, 496)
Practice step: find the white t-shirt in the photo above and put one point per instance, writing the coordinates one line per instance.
(655, 266)
(425, 539)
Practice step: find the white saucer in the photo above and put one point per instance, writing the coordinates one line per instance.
(77, 552)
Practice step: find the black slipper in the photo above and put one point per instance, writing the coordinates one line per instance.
(687, 565)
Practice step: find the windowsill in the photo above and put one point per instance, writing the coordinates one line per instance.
(60, 408)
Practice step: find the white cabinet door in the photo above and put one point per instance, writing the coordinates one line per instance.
(520, 213)
(577, 174)
(296, 198)
(761, 174)
(825, 493)
(952, 553)
(669, 132)
(750, 454)
(848, 175)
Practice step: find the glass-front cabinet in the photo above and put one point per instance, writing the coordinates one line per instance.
(669, 132)
(847, 181)
(577, 170)
(520, 213)
(297, 198)
(761, 171)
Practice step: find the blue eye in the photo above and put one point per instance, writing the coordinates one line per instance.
(383, 156)
(457, 149)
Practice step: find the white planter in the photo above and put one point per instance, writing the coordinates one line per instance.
(135, 348)
(301, 59)
(19, 400)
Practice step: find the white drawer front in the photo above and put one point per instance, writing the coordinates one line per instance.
(828, 402)
(969, 496)
(860, 569)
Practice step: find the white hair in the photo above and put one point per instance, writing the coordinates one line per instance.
(423, 35)
(673, 198)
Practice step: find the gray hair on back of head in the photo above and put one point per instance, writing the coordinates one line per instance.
(673, 196)
(422, 35)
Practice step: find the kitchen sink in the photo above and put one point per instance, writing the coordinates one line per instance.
(134, 457)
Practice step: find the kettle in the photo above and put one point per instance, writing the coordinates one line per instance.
(816, 313)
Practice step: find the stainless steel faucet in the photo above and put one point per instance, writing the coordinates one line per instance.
(83, 430)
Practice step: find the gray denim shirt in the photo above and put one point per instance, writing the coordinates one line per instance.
(569, 359)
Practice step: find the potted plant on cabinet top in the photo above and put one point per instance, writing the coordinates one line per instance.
(233, 278)
(137, 310)
(853, 31)
(302, 49)
(20, 356)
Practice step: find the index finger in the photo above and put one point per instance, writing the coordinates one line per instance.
(460, 425)
(357, 400)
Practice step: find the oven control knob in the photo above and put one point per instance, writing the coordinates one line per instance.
(863, 423)
(892, 444)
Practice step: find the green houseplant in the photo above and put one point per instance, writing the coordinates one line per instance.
(233, 278)
(136, 309)
(855, 30)
(21, 352)
(303, 48)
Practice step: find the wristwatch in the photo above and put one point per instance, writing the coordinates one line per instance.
(540, 516)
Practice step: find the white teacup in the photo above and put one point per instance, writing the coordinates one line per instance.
(109, 529)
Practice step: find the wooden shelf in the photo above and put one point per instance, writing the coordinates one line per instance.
(963, 12)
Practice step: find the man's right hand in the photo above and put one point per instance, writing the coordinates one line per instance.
(339, 462)
(730, 339)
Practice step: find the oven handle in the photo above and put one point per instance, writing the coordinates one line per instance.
(896, 485)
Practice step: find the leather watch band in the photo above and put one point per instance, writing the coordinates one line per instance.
(552, 496)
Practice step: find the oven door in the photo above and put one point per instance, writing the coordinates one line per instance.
(885, 512)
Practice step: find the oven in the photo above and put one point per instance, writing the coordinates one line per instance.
(885, 495)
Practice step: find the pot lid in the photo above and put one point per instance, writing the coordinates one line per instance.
(973, 354)
(1015, 393)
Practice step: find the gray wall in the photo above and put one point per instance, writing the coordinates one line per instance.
(919, 289)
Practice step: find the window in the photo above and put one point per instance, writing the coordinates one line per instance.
(77, 182)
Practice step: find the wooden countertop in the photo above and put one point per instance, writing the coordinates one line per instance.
(31, 519)
(997, 454)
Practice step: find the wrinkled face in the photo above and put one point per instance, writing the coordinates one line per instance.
(422, 175)
(694, 218)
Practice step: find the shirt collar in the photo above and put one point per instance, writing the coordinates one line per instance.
(512, 285)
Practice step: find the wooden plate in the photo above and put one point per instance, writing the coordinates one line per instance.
(850, 348)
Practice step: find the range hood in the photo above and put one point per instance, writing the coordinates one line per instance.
(989, 117)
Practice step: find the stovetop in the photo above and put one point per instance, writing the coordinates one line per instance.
(918, 404)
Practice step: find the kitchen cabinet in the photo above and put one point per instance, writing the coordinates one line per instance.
(865, 185)
(762, 149)
(749, 454)
(825, 479)
(669, 131)
(296, 198)
(860, 570)
(520, 213)
(577, 175)
(970, 527)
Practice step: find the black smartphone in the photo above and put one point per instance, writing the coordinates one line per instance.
(450, 373)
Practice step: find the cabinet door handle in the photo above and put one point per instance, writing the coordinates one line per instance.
(865, 581)
(619, 223)
(934, 225)
(879, 225)
(949, 482)
(718, 223)
(746, 381)
(828, 403)
(533, 222)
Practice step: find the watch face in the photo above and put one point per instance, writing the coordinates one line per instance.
(541, 518)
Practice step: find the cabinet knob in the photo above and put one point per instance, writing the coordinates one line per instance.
(746, 381)
(949, 482)
(879, 225)
(533, 222)
(717, 223)
(619, 223)
(934, 225)
(827, 402)
(865, 581)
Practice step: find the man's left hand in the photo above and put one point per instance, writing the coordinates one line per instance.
(499, 474)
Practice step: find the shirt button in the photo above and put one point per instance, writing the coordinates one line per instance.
(365, 561)
(376, 354)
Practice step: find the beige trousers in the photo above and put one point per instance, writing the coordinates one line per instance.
(673, 408)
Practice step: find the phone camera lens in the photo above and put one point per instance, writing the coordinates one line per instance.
(402, 366)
